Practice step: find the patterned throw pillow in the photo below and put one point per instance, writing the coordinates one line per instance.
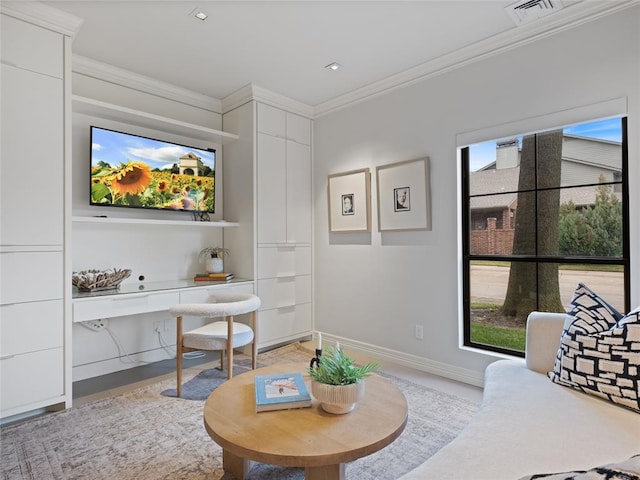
(627, 470)
(599, 351)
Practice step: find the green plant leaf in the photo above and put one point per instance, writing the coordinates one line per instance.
(336, 368)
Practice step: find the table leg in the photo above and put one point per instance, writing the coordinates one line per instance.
(327, 472)
(237, 466)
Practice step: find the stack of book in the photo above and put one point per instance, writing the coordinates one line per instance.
(213, 277)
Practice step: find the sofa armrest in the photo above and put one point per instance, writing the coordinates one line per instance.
(544, 330)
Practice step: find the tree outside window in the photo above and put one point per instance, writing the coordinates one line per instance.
(542, 212)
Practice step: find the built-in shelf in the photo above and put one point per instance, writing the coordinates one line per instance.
(97, 108)
(147, 221)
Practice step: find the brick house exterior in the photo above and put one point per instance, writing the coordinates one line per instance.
(493, 202)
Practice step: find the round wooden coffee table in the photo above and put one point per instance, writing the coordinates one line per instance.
(306, 437)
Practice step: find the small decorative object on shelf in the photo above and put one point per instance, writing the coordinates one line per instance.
(212, 257)
(93, 280)
(281, 391)
(337, 382)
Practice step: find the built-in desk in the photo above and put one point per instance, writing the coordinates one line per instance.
(136, 298)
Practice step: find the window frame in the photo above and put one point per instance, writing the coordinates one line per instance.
(468, 258)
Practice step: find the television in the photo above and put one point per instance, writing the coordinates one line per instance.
(129, 170)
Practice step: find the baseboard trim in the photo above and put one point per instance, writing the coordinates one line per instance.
(422, 364)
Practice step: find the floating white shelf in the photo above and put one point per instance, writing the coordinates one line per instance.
(97, 108)
(147, 221)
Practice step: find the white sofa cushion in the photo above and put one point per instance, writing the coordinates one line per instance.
(528, 424)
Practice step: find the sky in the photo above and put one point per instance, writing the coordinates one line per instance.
(115, 148)
(482, 154)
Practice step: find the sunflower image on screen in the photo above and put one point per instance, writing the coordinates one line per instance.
(153, 174)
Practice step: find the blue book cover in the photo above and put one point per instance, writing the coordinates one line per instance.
(281, 391)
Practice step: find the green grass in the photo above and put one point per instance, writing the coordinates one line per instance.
(511, 338)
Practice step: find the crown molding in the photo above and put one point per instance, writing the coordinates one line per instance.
(109, 73)
(44, 16)
(565, 19)
(253, 92)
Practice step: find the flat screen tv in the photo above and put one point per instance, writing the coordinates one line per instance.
(133, 171)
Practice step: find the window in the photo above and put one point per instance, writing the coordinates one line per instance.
(542, 212)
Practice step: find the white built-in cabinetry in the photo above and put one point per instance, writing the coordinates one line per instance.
(33, 350)
(277, 173)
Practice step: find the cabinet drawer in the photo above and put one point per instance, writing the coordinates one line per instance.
(202, 295)
(119, 306)
(29, 327)
(283, 261)
(303, 289)
(31, 377)
(31, 47)
(298, 129)
(276, 262)
(282, 324)
(277, 292)
(271, 120)
(303, 260)
(30, 276)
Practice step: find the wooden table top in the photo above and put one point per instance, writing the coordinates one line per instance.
(304, 436)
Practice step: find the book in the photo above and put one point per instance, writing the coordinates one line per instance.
(280, 392)
(213, 277)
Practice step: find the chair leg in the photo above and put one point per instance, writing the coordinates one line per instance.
(179, 356)
(254, 344)
(222, 352)
(229, 347)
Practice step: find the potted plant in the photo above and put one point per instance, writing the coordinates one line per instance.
(212, 257)
(337, 382)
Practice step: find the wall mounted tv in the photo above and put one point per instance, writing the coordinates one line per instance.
(134, 171)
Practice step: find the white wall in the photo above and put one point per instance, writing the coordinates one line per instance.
(158, 252)
(371, 289)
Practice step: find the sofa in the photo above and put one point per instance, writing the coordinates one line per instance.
(529, 425)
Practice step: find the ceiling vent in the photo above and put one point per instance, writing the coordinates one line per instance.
(526, 11)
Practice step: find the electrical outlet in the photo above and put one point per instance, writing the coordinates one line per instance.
(419, 332)
(158, 327)
(96, 325)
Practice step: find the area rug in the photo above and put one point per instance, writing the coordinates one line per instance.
(205, 382)
(144, 435)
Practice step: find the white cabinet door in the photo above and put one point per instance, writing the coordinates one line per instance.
(32, 48)
(272, 195)
(298, 192)
(31, 165)
(298, 129)
(271, 121)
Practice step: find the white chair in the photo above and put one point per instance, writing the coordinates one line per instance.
(221, 335)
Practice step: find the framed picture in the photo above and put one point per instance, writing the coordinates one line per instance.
(403, 196)
(349, 195)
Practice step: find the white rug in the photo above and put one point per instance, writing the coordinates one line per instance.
(143, 435)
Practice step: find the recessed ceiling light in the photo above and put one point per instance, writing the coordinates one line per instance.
(201, 15)
(333, 66)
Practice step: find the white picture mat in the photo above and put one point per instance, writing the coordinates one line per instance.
(358, 184)
(413, 174)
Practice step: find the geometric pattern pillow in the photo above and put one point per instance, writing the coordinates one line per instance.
(627, 470)
(599, 350)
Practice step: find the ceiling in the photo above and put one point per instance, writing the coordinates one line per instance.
(284, 46)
